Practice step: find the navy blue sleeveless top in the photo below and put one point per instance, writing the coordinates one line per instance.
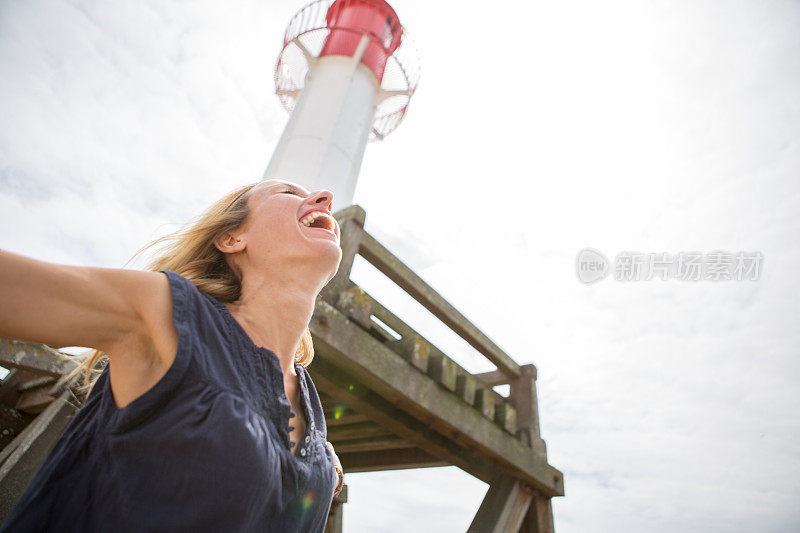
(205, 449)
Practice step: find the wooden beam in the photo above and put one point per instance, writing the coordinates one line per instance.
(351, 223)
(503, 508)
(344, 388)
(36, 358)
(349, 418)
(493, 378)
(417, 288)
(346, 346)
(357, 430)
(397, 459)
(369, 444)
(33, 402)
(334, 522)
(359, 306)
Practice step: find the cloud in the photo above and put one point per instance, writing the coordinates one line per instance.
(537, 130)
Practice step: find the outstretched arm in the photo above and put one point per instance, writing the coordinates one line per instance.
(125, 313)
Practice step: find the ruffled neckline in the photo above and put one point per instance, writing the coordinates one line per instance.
(279, 411)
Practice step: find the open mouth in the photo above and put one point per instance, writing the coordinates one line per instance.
(320, 220)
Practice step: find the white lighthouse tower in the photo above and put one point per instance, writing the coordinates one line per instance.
(346, 74)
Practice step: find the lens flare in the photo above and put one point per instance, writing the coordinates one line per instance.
(338, 411)
(308, 500)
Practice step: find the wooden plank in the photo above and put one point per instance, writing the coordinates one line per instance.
(344, 388)
(417, 288)
(9, 386)
(344, 420)
(34, 401)
(503, 508)
(358, 305)
(20, 460)
(368, 444)
(35, 383)
(351, 223)
(493, 378)
(36, 358)
(347, 347)
(356, 430)
(397, 459)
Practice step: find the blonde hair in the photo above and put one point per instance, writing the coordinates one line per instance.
(191, 252)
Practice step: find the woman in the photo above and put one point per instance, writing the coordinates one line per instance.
(205, 418)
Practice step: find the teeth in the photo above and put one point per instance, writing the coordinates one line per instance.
(311, 217)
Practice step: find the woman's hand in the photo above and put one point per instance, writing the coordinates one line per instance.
(339, 472)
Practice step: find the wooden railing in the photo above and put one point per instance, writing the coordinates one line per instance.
(516, 414)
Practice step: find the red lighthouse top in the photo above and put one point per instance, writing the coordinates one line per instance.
(369, 29)
(349, 20)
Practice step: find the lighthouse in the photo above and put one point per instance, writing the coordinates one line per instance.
(346, 75)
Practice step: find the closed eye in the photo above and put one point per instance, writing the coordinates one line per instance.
(289, 191)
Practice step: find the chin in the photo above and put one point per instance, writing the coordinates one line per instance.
(330, 254)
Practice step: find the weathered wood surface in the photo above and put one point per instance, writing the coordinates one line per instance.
(36, 358)
(356, 430)
(423, 355)
(20, 460)
(523, 394)
(342, 387)
(493, 378)
(351, 224)
(396, 459)
(504, 507)
(334, 523)
(539, 518)
(348, 348)
(368, 444)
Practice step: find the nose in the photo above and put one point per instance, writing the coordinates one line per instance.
(322, 197)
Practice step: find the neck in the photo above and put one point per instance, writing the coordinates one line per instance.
(275, 309)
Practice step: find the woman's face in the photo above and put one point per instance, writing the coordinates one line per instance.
(292, 226)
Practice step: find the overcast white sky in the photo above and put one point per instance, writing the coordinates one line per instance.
(539, 128)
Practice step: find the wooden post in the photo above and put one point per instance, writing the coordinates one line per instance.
(539, 518)
(351, 222)
(334, 524)
(504, 507)
(523, 397)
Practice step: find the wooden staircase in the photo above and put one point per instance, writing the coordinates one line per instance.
(392, 399)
